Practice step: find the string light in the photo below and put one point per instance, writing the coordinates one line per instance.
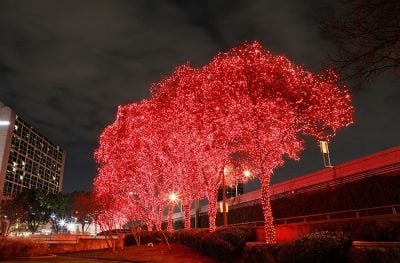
(246, 101)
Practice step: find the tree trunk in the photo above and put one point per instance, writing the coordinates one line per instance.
(266, 205)
(159, 221)
(149, 224)
(186, 210)
(170, 226)
(212, 210)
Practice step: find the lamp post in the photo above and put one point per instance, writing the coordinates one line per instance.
(173, 198)
(325, 153)
(224, 212)
(247, 174)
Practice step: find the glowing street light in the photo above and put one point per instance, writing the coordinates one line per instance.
(62, 222)
(53, 216)
(325, 153)
(246, 173)
(173, 197)
(224, 206)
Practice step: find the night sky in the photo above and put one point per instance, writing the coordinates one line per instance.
(65, 66)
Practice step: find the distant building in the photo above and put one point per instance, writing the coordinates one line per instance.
(27, 158)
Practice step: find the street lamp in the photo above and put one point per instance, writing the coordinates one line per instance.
(224, 210)
(173, 198)
(246, 173)
(323, 145)
(4, 123)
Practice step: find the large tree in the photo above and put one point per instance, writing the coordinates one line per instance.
(274, 103)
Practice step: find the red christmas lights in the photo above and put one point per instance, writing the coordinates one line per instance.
(245, 102)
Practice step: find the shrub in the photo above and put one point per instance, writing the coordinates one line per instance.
(260, 253)
(372, 230)
(237, 235)
(23, 248)
(192, 237)
(213, 246)
(317, 247)
(223, 245)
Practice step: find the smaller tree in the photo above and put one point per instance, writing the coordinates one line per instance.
(58, 206)
(36, 208)
(83, 209)
(109, 218)
(11, 213)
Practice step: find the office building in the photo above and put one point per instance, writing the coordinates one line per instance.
(27, 158)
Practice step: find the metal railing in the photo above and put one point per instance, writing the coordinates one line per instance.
(347, 214)
(332, 216)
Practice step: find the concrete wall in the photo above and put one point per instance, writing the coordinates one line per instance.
(285, 233)
(290, 232)
(81, 244)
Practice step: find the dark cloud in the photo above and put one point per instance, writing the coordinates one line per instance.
(65, 66)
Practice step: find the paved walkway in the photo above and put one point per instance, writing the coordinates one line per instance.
(176, 253)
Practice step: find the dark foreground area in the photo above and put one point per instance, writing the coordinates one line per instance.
(158, 253)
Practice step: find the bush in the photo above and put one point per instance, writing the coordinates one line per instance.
(213, 246)
(372, 230)
(223, 245)
(192, 237)
(237, 235)
(317, 247)
(260, 253)
(22, 248)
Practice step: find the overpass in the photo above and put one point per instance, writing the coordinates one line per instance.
(381, 163)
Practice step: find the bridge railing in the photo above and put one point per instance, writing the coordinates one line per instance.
(347, 214)
(334, 216)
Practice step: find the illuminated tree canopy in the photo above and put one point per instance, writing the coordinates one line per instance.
(245, 102)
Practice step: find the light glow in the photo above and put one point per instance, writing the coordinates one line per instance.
(173, 197)
(246, 173)
(4, 123)
(62, 222)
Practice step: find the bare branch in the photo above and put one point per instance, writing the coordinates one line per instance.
(366, 35)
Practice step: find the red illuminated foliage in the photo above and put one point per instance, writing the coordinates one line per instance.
(246, 104)
(83, 209)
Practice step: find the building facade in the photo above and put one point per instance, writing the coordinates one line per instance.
(27, 158)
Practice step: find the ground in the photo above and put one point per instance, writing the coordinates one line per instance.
(159, 253)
